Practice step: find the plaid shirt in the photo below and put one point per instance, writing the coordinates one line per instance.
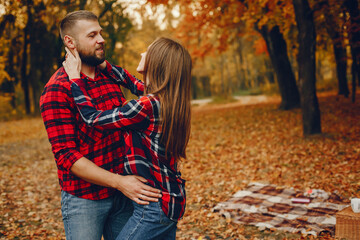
(72, 139)
(144, 152)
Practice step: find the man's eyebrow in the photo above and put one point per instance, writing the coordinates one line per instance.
(94, 31)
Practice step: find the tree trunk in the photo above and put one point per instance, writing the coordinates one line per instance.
(341, 66)
(354, 36)
(269, 71)
(237, 70)
(82, 4)
(8, 18)
(277, 49)
(205, 83)
(194, 87)
(24, 77)
(222, 80)
(229, 83)
(306, 62)
(339, 51)
(243, 83)
(11, 71)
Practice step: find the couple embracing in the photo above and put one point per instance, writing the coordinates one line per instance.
(118, 162)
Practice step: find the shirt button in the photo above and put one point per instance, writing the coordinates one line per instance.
(95, 82)
(101, 97)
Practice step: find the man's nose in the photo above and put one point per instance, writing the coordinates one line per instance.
(100, 40)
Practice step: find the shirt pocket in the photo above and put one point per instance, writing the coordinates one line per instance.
(109, 97)
(117, 99)
(90, 135)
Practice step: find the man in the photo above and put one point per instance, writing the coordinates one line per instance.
(89, 160)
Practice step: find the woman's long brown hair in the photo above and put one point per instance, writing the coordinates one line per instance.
(168, 75)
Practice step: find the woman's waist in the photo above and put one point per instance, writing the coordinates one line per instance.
(159, 176)
(140, 165)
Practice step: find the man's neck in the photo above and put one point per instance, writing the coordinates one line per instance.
(88, 70)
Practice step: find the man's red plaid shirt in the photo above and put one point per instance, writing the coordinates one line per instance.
(72, 139)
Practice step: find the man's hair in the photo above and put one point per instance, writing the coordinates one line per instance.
(70, 20)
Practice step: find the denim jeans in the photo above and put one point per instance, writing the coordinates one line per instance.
(89, 219)
(148, 222)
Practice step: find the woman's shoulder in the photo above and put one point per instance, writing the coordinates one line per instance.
(150, 102)
(149, 99)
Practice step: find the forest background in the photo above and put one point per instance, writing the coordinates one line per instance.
(238, 46)
(305, 54)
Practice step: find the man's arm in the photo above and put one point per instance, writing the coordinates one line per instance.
(131, 186)
(60, 123)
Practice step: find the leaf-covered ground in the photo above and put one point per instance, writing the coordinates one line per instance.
(231, 145)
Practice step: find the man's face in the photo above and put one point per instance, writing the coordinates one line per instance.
(89, 42)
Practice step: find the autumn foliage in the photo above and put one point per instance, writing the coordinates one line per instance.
(231, 145)
(236, 45)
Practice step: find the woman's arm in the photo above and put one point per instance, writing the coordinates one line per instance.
(72, 67)
(133, 115)
(124, 78)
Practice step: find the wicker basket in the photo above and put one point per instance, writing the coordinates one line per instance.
(347, 224)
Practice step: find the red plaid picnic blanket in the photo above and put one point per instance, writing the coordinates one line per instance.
(271, 206)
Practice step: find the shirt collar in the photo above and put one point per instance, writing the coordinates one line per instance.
(98, 76)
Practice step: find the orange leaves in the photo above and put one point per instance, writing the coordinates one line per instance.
(260, 46)
(201, 52)
(206, 21)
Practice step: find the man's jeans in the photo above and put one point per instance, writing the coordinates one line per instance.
(148, 222)
(88, 219)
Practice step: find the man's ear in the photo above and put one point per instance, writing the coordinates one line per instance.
(69, 42)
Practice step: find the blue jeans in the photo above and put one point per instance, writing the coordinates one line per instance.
(88, 219)
(148, 222)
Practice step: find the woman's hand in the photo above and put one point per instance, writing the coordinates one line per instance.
(72, 64)
(102, 65)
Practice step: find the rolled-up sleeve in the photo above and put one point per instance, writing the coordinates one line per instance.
(60, 124)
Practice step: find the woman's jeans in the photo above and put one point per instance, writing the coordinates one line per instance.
(88, 219)
(148, 222)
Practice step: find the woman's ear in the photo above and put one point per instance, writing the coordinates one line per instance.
(69, 42)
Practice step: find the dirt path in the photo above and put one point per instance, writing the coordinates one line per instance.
(206, 104)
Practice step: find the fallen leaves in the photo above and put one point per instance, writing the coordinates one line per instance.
(229, 147)
(30, 194)
(233, 146)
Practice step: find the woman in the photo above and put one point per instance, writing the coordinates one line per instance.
(156, 132)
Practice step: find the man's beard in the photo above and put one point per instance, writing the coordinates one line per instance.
(91, 59)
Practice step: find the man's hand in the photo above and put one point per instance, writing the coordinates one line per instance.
(134, 187)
